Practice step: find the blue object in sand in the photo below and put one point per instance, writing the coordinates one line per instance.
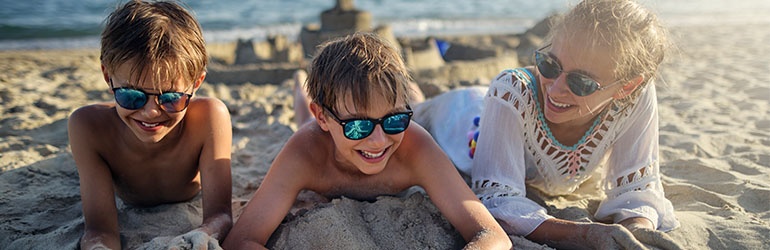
(443, 46)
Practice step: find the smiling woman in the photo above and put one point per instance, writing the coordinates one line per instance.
(586, 110)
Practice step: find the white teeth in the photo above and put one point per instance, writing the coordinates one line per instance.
(558, 104)
(149, 125)
(371, 155)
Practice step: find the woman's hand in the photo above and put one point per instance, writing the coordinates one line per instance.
(652, 237)
(581, 235)
(610, 236)
(644, 231)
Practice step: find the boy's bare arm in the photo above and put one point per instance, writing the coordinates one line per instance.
(452, 196)
(287, 176)
(214, 164)
(96, 186)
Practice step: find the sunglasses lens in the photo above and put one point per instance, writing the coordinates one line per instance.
(581, 85)
(358, 129)
(130, 98)
(395, 124)
(173, 101)
(548, 67)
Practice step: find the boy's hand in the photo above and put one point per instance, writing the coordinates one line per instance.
(194, 240)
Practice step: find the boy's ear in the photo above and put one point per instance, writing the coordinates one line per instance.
(629, 87)
(320, 118)
(106, 75)
(199, 81)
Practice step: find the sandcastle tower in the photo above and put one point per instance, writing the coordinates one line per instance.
(341, 20)
(277, 49)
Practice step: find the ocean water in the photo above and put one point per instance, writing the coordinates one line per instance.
(35, 24)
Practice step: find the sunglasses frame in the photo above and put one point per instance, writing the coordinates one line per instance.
(147, 98)
(572, 86)
(374, 122)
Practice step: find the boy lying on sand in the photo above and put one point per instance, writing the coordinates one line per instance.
(158, 144)
(361, 146)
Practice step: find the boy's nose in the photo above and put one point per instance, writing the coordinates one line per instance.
(152, 108)
(378, 136)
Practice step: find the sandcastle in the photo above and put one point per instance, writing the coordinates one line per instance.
(344, 19)
(463, 60)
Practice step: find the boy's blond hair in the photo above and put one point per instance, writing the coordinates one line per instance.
(161, 40)
(361, 65)
(635, 36)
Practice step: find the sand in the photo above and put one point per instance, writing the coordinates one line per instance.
(715, 146)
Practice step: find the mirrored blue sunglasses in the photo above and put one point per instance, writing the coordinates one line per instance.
(360, 128)
(131, 98)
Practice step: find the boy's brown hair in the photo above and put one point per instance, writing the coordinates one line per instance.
(161, 40)
(360, 65)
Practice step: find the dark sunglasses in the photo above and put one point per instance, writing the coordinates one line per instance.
(130, 98)
(579, 84)
(357, 129)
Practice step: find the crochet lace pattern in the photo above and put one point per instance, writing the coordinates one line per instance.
(562, 167)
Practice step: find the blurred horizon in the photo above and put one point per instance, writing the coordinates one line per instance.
(46, 24)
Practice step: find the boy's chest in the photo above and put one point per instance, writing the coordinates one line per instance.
(162, 176)
(366, 187)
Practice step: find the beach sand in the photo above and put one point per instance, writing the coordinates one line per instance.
(715, 145)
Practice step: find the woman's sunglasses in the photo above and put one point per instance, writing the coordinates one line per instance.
(130, 98)
(579, 84)
(357, 129)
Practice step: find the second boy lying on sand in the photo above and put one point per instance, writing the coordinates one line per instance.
(361, 146)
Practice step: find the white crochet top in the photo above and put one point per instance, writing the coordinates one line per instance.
(516, 147)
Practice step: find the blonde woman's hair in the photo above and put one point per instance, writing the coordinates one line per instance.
(635, 36)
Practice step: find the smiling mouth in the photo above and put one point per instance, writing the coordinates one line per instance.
(558, 104)
(370, 155)
(149, 125)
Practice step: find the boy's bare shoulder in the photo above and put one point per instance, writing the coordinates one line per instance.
(310, 144)
(207, 105)
(90, 123)
(418, 147)
(205, 101)
(207, 110)
(311, 138)
(416, 138)
(93, 115)
(96, 108)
